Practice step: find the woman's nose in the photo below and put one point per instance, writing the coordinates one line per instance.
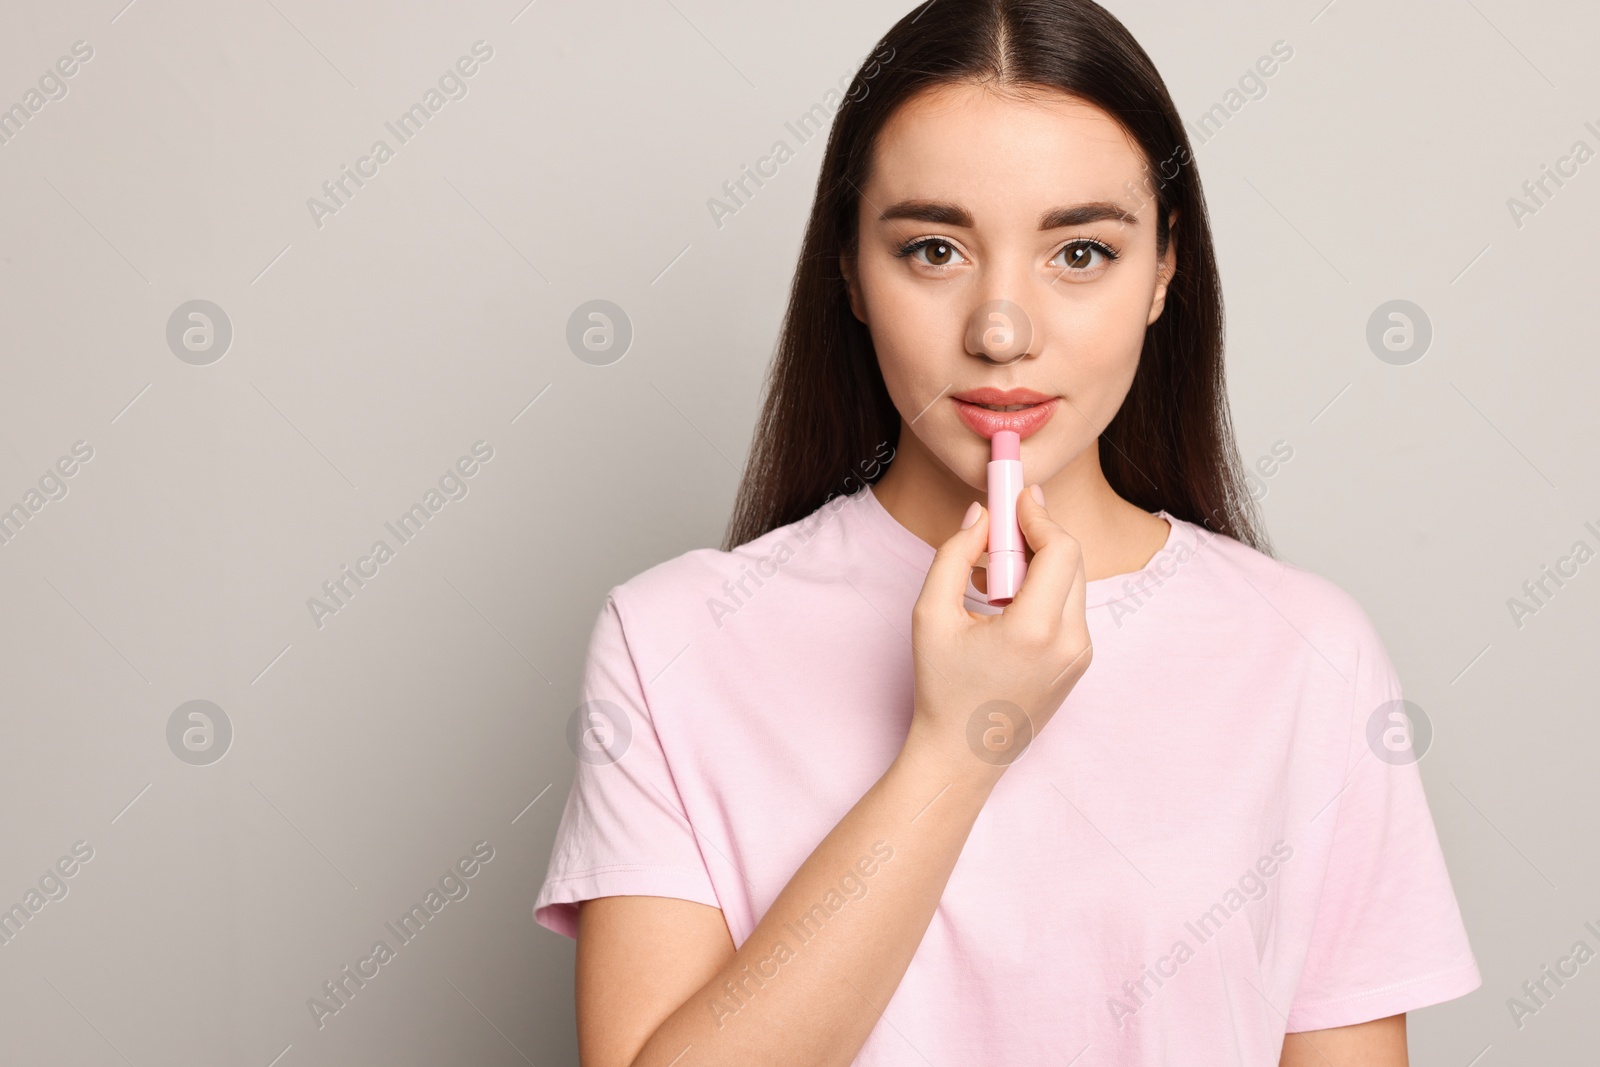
(999, 332)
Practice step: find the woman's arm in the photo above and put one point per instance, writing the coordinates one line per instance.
(1379, 1043)
(653, 973)
(638, 959)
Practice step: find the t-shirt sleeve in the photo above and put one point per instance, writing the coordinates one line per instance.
(1388, 935)
(623, 831)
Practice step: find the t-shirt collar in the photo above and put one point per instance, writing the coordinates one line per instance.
(918, 554)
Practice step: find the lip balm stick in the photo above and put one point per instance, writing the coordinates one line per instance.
(1006, 563)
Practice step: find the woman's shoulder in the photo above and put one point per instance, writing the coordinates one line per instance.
(695, 587)
(1318, 606)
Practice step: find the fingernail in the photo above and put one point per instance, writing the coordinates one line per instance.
(1038, 493)
(974, 509)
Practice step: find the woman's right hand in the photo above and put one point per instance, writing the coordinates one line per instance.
(987, 684)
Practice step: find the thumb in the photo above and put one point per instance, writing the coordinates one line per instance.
(945, 587)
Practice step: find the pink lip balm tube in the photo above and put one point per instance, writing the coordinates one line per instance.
(1006, 563)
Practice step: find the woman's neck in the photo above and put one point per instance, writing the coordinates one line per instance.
(925, 497)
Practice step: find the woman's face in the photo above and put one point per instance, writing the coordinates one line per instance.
(994, 226)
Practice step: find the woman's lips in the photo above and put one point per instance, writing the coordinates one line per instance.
(1023, 423)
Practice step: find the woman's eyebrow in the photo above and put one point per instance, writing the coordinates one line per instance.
(1079, 214)
(927, 211)
(947, 214)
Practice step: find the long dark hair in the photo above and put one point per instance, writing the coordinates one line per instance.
(826, 411)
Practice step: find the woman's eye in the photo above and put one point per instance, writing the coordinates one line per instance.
(936, 253)
(1079, 256)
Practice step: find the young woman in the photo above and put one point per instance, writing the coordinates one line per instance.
(831, 807)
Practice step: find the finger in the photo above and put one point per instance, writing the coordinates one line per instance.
(1072, 609)
(1052, 589)
(946, 582)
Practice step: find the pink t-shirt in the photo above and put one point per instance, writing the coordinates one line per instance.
(1200, 851)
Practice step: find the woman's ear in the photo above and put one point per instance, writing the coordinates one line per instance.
(847, 267)
(1165, 269)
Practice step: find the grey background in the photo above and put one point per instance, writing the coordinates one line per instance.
(431, 311)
